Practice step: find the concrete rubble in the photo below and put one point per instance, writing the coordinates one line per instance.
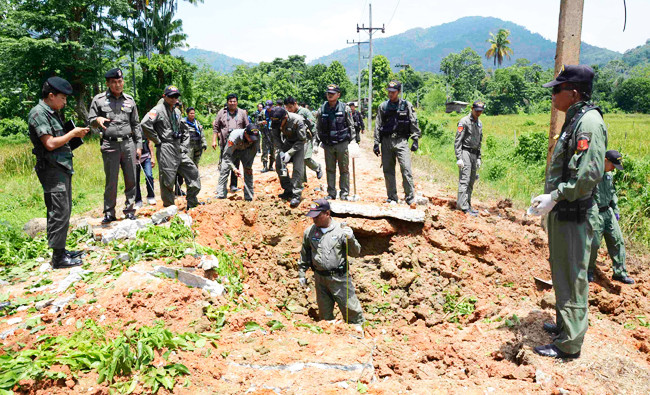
(401, 212)
(164, 215)
(126, 229)
(76, 274)
(192, 280)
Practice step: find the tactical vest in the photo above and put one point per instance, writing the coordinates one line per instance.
(396, 120)
(59, 158)
(333, 130)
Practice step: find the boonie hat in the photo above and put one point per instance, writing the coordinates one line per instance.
(394, 86)
(172, 91)
(478, 106)
(114, 73)
(60, 85)
(252, 131)
(579, 73)
(318, 207)
(614, 157)
(333, 88)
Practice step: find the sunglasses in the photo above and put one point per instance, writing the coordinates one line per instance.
(558, 88)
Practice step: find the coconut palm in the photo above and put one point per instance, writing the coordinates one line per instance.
(499, 46)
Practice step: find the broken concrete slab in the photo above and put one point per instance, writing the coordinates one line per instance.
(76, 274)
(187, 220)
(164, 215)
(209, 262)
(43, 304)
(404, 213)
(192, 280)
(60, 303)
(126, 229)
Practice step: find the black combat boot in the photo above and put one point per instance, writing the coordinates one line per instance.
(61, 260)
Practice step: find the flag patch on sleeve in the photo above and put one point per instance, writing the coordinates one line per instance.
(460, 128)
(583, 145)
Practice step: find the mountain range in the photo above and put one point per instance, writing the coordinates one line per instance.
(424, 48)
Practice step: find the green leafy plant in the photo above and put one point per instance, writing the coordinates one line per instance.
(456, 306)
(311, 327)
(252, 326)
(275, 325)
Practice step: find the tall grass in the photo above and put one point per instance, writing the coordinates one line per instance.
(514, 159)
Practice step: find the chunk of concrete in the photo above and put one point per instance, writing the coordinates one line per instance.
(35, 226)
(126, 229)
(209, 262)
(164, 215)
(76, 274)
(60, 303)
(187, 220)
(192, 280)
(45, 267)
(404, 213)
(43, 304)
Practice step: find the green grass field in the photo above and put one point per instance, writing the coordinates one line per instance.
(514, 159)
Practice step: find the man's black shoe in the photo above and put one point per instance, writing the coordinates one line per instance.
(623, 279)
(130, 216)
(389, 201)
(590, 277)
(61, 260)
(295, 202)
(74, 254)
(471, 212)
(551, 328)
(265, 169)
(319, 172)
(550, 350)
(330, 197)
(108, 219)
(286, 195)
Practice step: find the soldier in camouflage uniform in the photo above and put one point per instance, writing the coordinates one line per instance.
(54, 166)
(609, 215)
(116, 114)
(242, 145)
(162, 125)
(325, 248)
(395, 124)
(577, 166)
(335, 129)
(290, 139)
(468, 156)
(309, 120)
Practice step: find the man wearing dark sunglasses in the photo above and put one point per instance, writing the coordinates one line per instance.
(577, 166)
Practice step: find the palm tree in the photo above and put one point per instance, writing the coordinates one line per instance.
(499, 46)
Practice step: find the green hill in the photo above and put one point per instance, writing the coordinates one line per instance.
(638, 55)
(423, 48)
(219, 62)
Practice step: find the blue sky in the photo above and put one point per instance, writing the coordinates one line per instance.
(255, 30)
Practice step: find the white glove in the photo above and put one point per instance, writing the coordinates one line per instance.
(347, 232)
(316, 147)
(478, 163)
(460, 163)
(303, 282)
(542, 204)
(286, 158)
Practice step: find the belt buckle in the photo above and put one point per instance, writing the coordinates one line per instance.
(119, 139)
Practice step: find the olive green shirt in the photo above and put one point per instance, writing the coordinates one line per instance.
(122, 112)
(294, 133)
(469, 135)
(389, 105)
(326, 251)
(308, 119)
(42, 121)
(586, 147)
(605, 195)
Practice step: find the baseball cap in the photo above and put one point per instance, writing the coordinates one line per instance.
(318, 207)
(269, 103)
(333, 88)
(579, 73)
(114, 73)
(394, 86)
(252, 131)
(478, 106)
(60, 85)
(172, 91)
(614, 157)
(352, 103)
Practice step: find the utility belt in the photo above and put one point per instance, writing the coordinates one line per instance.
(575, 211)
(471, 150)
(603, 209)
(117, 139)
(340, 271)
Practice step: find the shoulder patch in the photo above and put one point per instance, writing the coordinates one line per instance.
(460, 128)
(230, 143)
(153, 114)
(583, 144)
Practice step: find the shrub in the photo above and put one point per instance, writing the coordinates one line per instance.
(496, 171)
(532, 147)
(13, 126)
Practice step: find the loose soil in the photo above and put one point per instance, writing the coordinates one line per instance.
(403, 279)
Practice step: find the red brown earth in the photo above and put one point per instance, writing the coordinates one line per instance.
(401, 279)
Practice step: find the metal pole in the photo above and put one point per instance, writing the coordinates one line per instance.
(370, 71)
(359, 79)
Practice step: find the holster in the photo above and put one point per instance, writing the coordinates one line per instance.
(575, 211)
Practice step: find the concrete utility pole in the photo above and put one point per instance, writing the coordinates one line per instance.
(358, 44)
(569, 31)
(370, 30)
(403, 67)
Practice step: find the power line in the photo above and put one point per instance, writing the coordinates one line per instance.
(394, 11)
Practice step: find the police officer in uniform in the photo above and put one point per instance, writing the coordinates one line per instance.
(228, 119)
(162, 125)
(290, 140)
(609, 214)
(577, 166)
(395, 123)
(116, 114)
(54, 166)
(468, 155)
(325, 248)
(308, 118)
(196, 143)
(335, 129)
(359, 125)
(242, 146)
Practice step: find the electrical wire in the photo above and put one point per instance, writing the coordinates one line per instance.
(395, 10)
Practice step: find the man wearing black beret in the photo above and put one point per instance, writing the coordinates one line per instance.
(116, 115)
(54, 166)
